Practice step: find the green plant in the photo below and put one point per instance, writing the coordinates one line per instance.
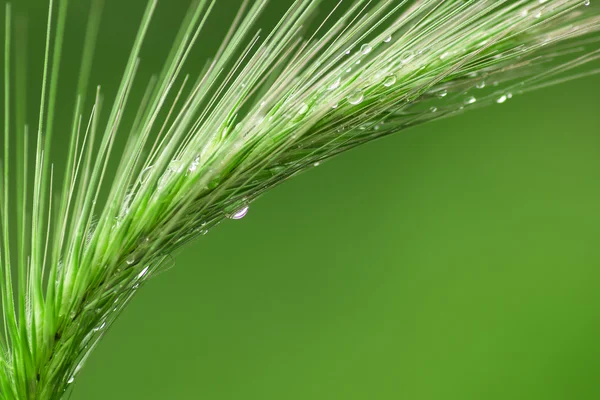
(261, 112)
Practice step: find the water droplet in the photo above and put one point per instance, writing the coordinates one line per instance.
(348, 52)
(317, 164)
(390, 80)
(470, 100)
(194, 165)
(336, 105)
(388, 39)
(303, 108)
(145, 174)
(587, 2)
(143, 273)
(442, 93)
(433, 109)
(407, 57)
(71, 380)
(130, 260)
(335, 84)
(501, 100)
(538, 14)
(357, 62)
(480, 85)
(509, 95)
(356, 97)
(241, 213)
(366, 49)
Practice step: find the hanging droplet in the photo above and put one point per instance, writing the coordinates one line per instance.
(335, 84)
(366, 49)
(356, 97)
(239, 214)
(390, 80)
(502, 99)
(388, 39)
(470, 100)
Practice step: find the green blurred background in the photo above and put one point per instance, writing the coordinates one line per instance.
(456, 260)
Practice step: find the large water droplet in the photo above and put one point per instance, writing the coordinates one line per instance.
(470, 100)
(480, 85)
(587, 2)
(356, 97)
(241, 213)
(71, 380)
(388, 39)
(130, 260)
(502, 99)
(366, 48)
(389, 81)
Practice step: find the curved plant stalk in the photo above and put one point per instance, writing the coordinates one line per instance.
(203, 147)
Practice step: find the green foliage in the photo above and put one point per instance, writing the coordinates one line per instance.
(202, 147)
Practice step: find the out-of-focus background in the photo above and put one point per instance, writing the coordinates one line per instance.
(456, 260)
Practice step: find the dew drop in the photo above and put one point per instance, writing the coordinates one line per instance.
(366, 49)
(470, 100)
(442, 93)
(317, 164)
(502, 99)
(390, 80)
(130, 260)
(241, 213)
(388, 39)
(407, 57)
(303, 108)
(145, 174)
(538, 14)
(71, 380)
(143, 273)
(194, 165)
(587, 3)
(433, 109)
(336, 105)
(356, 97)
(480, 85)
(335, 84)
